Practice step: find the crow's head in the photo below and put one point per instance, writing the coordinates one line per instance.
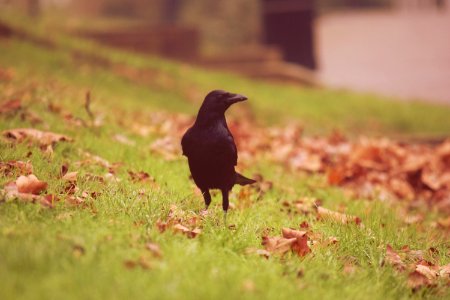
(219, 101)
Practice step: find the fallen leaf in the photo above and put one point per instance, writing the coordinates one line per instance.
(444, 271)
(78, 250)
(141, 176)
(304, 225)
(277, 245)
(93, 159)
(306, 161)
(349, 268)
(6, 74)
(12, 192)
(336, 216)
(427, 271)
(29, 116)
(10, 167)
(394, 259)
(180, 221)
(123, 139)
(444, 222)
(130, 264)
(262, 252)
(11, 106)
(248, 285)
(188, 232)
(416, 280)
(64, 216)
(44, 138)
(292, 233)
(30, 185)
(291, 240)
(70, 176)
(64, 169)
(154, 249)
(300, 247)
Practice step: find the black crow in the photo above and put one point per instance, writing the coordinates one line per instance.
(210, 148)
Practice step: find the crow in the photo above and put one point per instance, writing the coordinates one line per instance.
(210, 148)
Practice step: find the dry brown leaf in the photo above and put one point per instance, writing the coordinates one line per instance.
(12, 192)
(9, 167)
(332, 240)
(260, 252)
(30, 185)
(154, 249)
(444, 271)
(412, 219)
(180, 221)
(130, 264)
(424, 275)
(181, 228)
(75, 200)
(44, 138)
(278, 245)
(141, 176)
(10, 107)
(32, 117)
(427, 271)
(291, 240)
(248, 285)
(292, 233)
(444, 222)
(300, 247)
(70, 176)
(78, 250)
(6, 74)
(336, 176)
(307, 162)
(431, 179)
(304, 225)
(336, 216)
(123, 139)
(417, 280)
(394, 259)
(402, 189)
(188, 232)
(350, 266)
(94, 159)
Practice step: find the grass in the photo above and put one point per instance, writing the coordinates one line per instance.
(75, 252)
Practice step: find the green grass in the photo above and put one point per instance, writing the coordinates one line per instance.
(40, 248)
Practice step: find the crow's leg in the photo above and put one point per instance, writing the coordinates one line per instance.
(207, 198)
(225, 204)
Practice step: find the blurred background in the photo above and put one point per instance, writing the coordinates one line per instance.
(397, 48)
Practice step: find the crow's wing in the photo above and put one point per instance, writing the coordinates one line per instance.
(227, 149)
(187, 143)
(218, 144)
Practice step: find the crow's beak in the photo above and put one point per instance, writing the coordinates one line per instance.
(236, 98)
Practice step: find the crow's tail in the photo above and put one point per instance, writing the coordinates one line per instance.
(242, 180)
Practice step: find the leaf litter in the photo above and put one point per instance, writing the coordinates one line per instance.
(421, 273)
(370, 168)
(180, 221)
(373, 168)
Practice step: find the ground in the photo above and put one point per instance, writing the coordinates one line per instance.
(116, 235)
